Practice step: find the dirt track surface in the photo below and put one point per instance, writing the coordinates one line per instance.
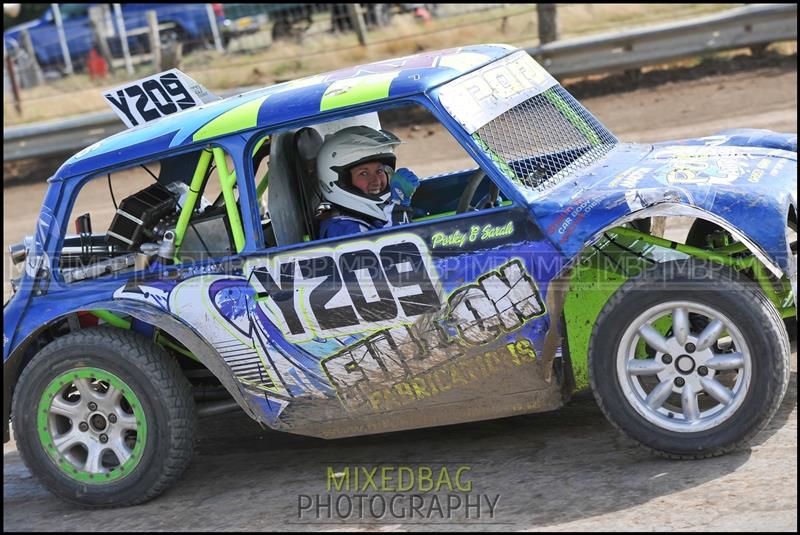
(566, 470)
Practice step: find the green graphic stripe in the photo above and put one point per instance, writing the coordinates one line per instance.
(576, 120)
(239, 118)
(371, 88)
(57, 387)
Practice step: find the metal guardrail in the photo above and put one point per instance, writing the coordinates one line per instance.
(67, 136)
(737, 28)
(60, 136)
(743, 27)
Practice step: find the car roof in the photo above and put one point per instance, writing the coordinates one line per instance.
(286, 102)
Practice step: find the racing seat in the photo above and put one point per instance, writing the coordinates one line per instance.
(293, 193)
(307, 142)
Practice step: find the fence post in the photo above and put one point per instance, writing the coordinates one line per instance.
(9, 65)
(97, 19)
(548, 23)
(62, 39)
(123, 38)
(212, 20)
(27, 44)
(357, 19)
(155, 38)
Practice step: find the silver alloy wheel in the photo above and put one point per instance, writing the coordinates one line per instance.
(696, 380)
(92, 429)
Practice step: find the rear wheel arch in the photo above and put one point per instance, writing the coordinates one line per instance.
(194, 342)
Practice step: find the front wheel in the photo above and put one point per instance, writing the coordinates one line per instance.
(104, 418)
(689, 360)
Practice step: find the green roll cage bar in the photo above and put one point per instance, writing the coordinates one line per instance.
(725, 255)
(227, 181)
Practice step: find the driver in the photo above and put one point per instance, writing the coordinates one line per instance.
(356, 169)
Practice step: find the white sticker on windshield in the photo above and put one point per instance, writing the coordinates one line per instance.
(477, 98)
(157, 96)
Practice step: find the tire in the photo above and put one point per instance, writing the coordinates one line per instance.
(149, 429)
(751, 364)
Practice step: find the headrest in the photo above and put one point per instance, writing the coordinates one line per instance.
(308, 142)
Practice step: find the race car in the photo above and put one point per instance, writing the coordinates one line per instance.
(506, 287)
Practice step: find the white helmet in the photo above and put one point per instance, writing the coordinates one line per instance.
(349, 147)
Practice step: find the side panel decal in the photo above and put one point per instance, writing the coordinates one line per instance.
(367, 322)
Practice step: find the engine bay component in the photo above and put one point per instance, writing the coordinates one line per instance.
(138, 214)
(166, 251)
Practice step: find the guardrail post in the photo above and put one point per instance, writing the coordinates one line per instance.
(155, 38)
(632, 49)
(38, 77)
(548, 23)
(9, 64)
(62, 38)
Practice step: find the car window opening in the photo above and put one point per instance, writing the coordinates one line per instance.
(169, 221)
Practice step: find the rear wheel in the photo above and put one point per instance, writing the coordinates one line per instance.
(104, 418)
(682, 367)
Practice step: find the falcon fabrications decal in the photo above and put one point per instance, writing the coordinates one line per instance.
(500, 302)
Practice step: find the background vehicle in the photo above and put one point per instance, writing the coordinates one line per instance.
(468, 315)
(294, 20)
(189, 24)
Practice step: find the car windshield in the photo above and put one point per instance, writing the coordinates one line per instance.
(532, 128)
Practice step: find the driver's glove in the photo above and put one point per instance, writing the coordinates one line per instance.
(402, 185)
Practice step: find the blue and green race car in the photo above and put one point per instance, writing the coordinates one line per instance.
(206, 284)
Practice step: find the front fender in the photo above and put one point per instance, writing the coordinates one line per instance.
(749, 191)
(592, 284)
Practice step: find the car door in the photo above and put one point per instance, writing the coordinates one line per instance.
(434, 322)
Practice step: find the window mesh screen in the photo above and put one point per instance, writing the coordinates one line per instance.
(541, 141)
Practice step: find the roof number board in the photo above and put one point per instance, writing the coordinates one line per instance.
(157, 96)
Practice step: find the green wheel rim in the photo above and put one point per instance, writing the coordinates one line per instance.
(98, 437)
